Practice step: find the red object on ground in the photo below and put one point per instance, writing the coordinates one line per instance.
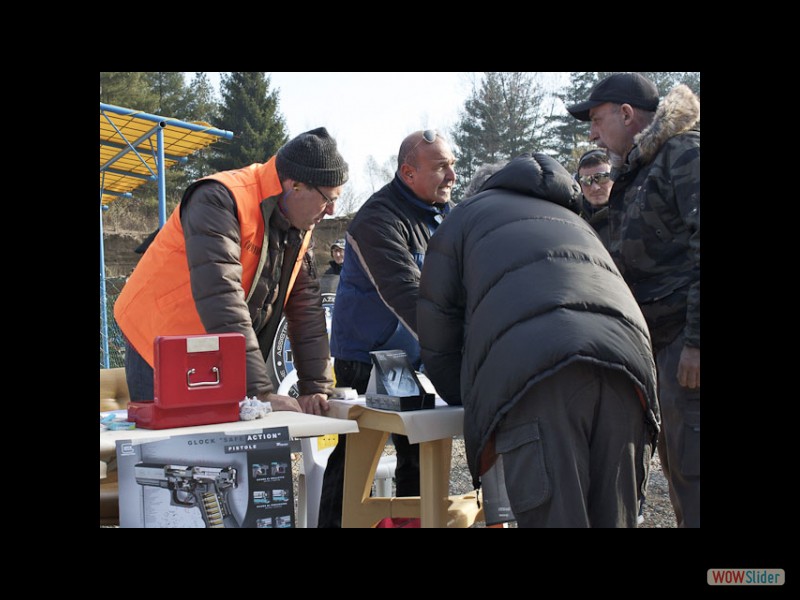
(398, 522)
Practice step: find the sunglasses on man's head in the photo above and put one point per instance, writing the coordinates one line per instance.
(429, 135)
(597, 178)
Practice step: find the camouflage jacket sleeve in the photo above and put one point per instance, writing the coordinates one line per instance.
(655, 237)
(685, 176)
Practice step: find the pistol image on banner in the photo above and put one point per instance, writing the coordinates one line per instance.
(204, 487)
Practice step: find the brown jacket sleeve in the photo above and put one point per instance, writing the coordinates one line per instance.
(213, 247)
(308, 332)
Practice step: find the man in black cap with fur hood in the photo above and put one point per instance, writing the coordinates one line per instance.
(654, 227)
(234, 257)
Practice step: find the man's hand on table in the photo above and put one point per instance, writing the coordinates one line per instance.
(314, 404)
(282, 403)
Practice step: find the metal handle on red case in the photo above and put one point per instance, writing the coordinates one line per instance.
(201, 383)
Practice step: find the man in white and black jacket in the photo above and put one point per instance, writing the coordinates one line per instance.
(525, 320)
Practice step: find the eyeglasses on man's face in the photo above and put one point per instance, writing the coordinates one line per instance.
(597, 178)
(328, 201)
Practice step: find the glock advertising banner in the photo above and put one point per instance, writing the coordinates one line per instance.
(211, 480)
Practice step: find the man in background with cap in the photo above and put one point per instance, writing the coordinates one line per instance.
(376, 301)
(330, 278)
(654, 238)
(337, 257)
(232, 257)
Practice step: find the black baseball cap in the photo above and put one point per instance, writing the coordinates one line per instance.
(620, 88)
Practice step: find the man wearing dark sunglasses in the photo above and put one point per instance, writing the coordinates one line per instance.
(376, 301)
(654, 222)
(594, 176)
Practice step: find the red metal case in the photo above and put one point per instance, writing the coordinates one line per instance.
(198, 380)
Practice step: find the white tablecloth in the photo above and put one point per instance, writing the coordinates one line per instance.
(420, 425)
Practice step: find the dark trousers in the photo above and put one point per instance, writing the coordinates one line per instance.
(679, 441)
(139, 375)
(356, 375)
(576, 450)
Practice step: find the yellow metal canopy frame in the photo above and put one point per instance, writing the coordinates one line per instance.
(137, 147)
(131, 143)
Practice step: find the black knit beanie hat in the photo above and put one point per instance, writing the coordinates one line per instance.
(312, 158)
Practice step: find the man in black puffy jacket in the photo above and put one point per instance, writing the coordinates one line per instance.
(525, 320)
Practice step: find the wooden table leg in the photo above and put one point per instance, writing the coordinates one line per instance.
(434, 484)
(363, 453)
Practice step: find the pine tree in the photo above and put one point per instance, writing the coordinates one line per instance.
(250, 110)
(200, 102)
(201, 105)
(169, 88)
(665, 81)
(502, 118)
(128, 89)
(570, 137)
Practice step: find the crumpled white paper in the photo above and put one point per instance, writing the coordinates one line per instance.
(253, 408)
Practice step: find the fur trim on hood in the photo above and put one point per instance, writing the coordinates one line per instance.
(677, 113)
